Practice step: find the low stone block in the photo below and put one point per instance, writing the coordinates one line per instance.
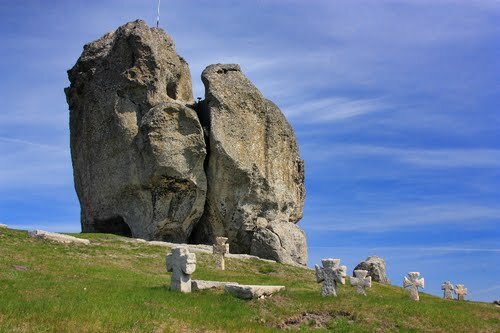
(202, 284)
(251, 291)
(60, 238)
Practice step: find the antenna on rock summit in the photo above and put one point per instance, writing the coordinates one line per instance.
(158, 15)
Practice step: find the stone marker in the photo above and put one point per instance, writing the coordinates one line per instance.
(3, 226)
(60, 238)
(330, 274)
(447, 288)
(361, 281)
(220, 249)
(376, 269)
(202, 284)
(460, 291)
(412, 283)
(182, 264)
(251, 291)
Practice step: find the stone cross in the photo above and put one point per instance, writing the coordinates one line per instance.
(220, 248)
(361, 281)
(412, 283)
(460, 291)
(447, 288)
(182, 264)
(330, 274)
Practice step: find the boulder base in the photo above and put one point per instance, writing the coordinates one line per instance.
(376, 269)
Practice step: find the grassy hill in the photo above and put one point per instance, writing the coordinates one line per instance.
(118, 286)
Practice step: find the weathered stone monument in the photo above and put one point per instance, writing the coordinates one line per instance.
(182, 264)
(151, 163)
(461, 291)
(361, 281)
(220, 248)
(412, 283)
(376, 269)
(447, 288)
(330, 274)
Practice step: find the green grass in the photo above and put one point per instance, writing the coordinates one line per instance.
(117, 286)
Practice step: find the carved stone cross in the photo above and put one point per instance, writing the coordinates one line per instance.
(361, 281)
(330, 274)
(220, 248)
(460, 291)
(447, 288)
(412, 283)
(182, 264)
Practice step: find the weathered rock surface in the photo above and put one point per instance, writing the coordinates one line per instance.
(55, 237)
(251, 291)
(139, 146)
(203, 284)
(137, 149)
(376, 269)
(255, 174)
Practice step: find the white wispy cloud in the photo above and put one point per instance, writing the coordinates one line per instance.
(426, 158)
(332, 109)
(405, 216)
(30, 165)
(433, 249)
(33, 144)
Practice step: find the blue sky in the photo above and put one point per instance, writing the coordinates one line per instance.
(395, 105)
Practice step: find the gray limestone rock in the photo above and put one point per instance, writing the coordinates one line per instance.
(330, 274)
(182, 264)
(376, 269)
(361, 281)
(137, 148)
(412, 282)
(251, 291)
(255, 174)
(55, 237)
(448, 289)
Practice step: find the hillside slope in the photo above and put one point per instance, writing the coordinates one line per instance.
(118, 286)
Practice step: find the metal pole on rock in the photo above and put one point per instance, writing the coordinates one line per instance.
(158, 15)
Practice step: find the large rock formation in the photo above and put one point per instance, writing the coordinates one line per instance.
(255, 174)
(140, 159)
(375, 267)
(137, 150)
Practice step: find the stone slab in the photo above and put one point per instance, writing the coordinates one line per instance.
(60, 238)
(203, 284)
(251, 291)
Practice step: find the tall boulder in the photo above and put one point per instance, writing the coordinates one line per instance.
(137, 145)
(376, 269)
(255, 174)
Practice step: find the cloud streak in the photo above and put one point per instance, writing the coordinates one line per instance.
(417, 157)
(404, 217)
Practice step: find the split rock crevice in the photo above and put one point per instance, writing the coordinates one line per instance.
(177, 170)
